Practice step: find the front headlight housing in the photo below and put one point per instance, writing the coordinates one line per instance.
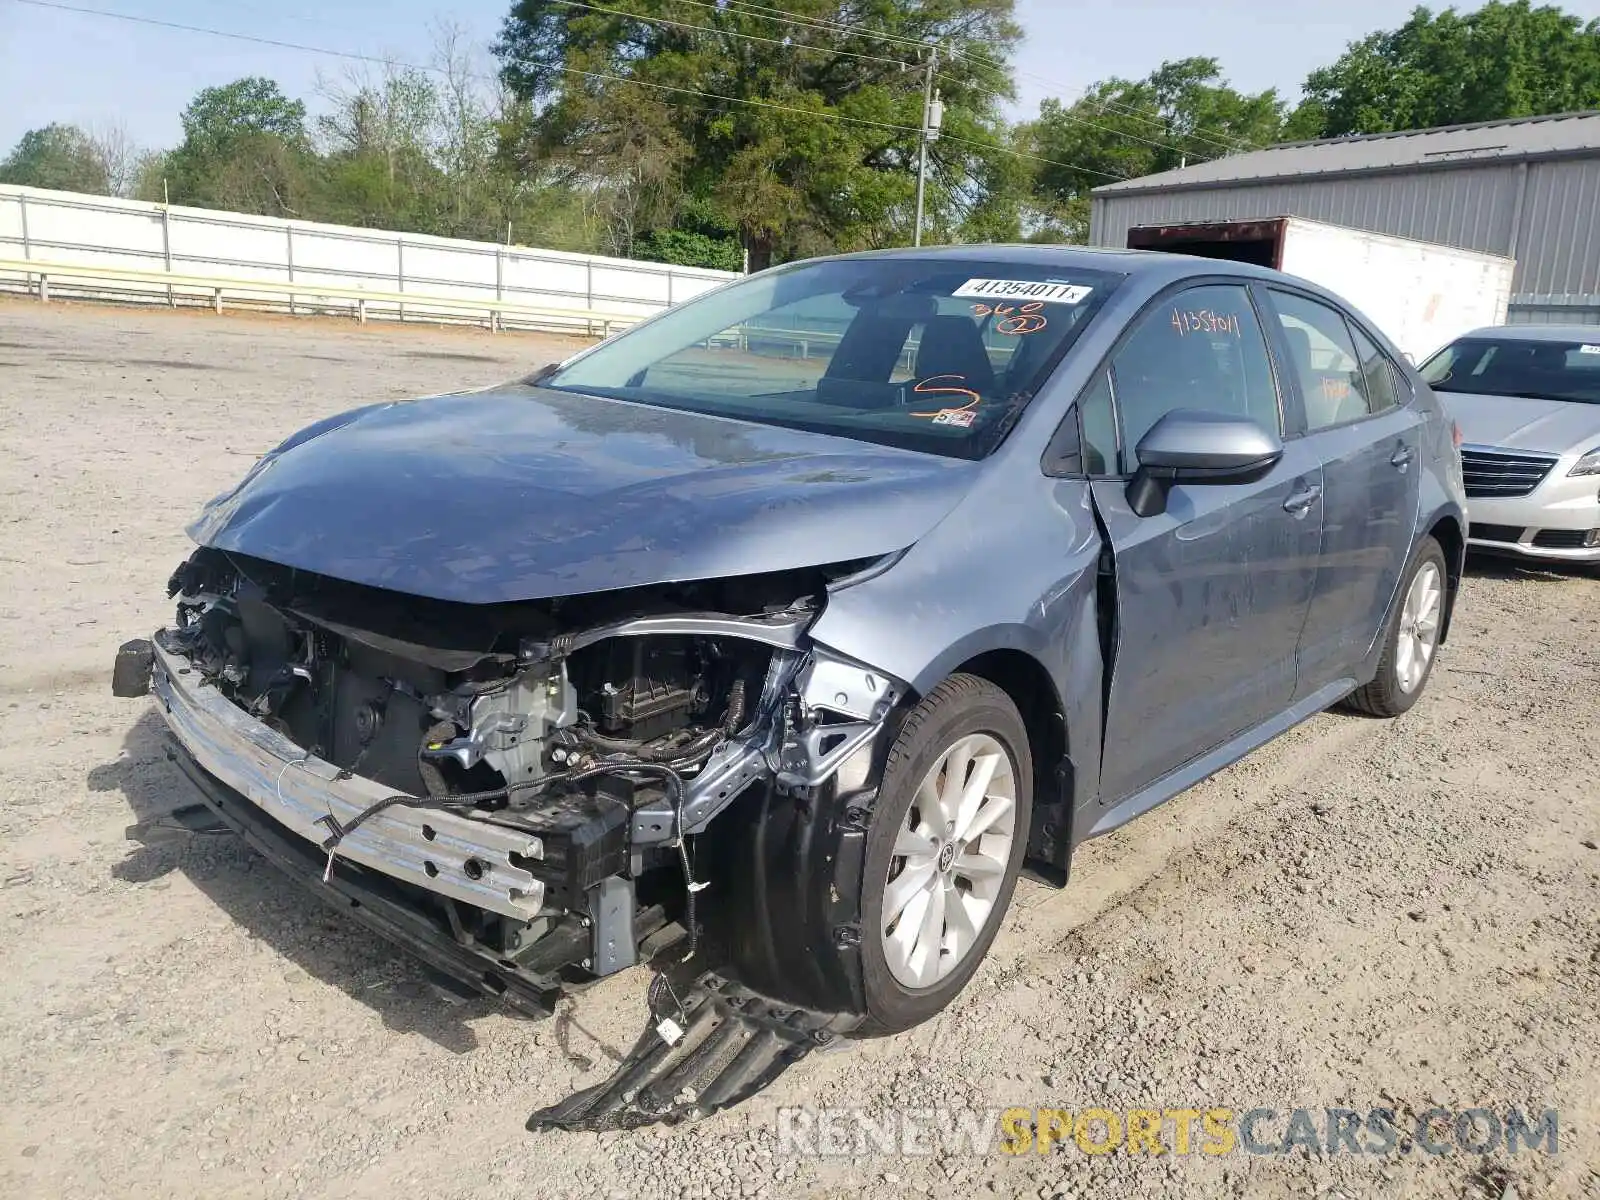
(1589, 464)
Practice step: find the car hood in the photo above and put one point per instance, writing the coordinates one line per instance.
(520, 492)
(1551, 426)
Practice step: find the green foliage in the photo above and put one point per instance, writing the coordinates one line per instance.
(1183, 112)
(687, 249)
(244, 148)
(1504, 60)
(825, 158)
(701, 237)
(57, 156)
(406, 149)
(219, 117)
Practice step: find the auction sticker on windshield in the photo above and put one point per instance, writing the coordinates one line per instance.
(1589, 349)
(1025, 289)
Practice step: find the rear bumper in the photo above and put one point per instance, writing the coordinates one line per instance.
(450, 855)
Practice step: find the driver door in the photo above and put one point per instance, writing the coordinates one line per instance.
(1211, 594)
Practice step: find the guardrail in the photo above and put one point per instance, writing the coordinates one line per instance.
(37, 277)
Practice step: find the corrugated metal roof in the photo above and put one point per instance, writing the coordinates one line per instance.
(1496, 141)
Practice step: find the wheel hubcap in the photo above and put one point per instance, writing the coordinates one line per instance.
(1419, 628)
(949, 861)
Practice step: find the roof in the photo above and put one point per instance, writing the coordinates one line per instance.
(1500, 141)
(1110, 259)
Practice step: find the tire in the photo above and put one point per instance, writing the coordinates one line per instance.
(964, 713)
(1387, 694)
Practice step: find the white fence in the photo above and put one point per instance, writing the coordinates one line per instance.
(287, 261)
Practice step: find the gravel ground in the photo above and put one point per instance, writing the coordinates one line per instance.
(1363, 914)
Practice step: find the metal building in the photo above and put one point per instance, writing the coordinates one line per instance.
(1527, 188)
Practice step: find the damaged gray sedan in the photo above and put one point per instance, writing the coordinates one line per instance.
(795, 621)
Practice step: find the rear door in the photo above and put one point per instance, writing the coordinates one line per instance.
(1211, 595)
(1355, 412)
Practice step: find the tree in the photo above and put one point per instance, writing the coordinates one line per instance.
(118, 156)
(244, 148)
(219, 117)
(798, 129)
(1183, 112)
(1504, 60)
(378, 167)
(480, 197)
(57, 156)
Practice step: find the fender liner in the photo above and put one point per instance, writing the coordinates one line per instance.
(787, 874)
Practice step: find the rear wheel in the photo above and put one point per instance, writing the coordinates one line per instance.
(1411, 639)
(943, 850)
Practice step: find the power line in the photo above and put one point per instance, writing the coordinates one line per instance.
(662, 87)
(831, 52)
(784, 16)
(765, 12)
(749, 37)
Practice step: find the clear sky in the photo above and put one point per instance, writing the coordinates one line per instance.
(61, 66)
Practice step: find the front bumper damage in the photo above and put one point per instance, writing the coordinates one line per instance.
(529, 987)
(462, 858)
(428, 879)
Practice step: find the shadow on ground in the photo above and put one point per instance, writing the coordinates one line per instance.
(1504, 566)
(280, 912)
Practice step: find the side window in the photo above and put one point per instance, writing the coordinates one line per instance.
(1201, 349)
(1099, 425)
(1377, 375)
(1323, 357)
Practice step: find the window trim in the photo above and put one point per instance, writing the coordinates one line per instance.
(1404, 389)
(1060, 463)
(1275, 362)
(1357, 331)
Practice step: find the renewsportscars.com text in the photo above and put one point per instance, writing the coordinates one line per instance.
(918, 1132)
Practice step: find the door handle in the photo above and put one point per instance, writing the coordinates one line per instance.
(1401, 458)
(1299, 503)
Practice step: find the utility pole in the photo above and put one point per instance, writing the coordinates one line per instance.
(932, 118)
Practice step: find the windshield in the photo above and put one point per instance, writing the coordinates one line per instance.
(926, 354)
(1537, 370)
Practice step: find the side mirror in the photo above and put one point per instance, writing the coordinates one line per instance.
(1191, 446)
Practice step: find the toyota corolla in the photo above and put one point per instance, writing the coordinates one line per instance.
(800, 619)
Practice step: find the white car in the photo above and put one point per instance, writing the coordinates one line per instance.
(1527, 401)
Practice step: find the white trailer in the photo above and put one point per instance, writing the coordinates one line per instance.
(1421, 294)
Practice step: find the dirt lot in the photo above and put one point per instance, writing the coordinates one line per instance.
(1363, 914)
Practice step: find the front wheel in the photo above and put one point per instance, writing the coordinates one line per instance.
(943, 850)
(1410, 640)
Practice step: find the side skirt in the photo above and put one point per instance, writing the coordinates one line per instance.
(1228, 753)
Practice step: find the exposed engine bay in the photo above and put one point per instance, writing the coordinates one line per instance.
(590, 740)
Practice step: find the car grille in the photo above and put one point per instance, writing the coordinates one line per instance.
(1562, 539)
(1503, 473)
(1495, 533)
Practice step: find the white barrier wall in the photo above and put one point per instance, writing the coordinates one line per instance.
(83, 230)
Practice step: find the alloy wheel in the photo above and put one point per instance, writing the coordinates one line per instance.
(1418, 635)
(949, 861)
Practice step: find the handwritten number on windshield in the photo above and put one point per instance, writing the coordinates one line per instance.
(1014, 322)
(962, 415)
